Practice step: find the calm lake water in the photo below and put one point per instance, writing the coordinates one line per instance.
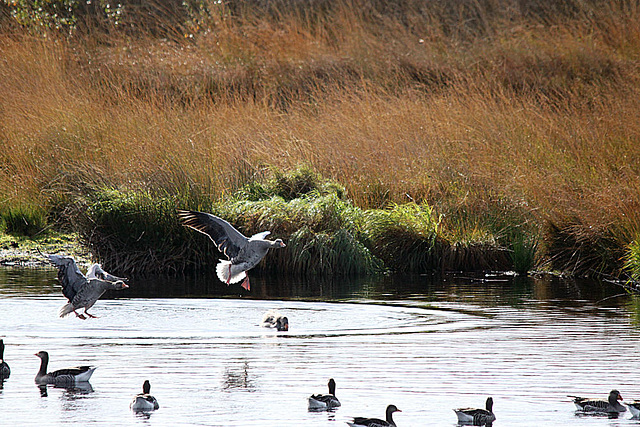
(425, 345)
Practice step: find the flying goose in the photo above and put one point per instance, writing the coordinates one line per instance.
(477, 417)
(375, 422)
(4, 368)
(83, 291)
(61, 377)
(273, 319)
(144, 401)
(243, 253)
(610, 405)
(319, 402)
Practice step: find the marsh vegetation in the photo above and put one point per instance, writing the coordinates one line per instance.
(404, 135)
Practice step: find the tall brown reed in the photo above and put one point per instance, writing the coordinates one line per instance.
(485, 110)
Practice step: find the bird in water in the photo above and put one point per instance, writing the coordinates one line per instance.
(273, 319)
(83, 291)
(61, 377)
(634, 408)
(4, 368)
(243, 252)
(376, 422)
(605, 406)
(320, 402)
(143, 402)
(477, 417)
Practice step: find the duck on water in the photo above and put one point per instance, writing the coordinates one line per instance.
(273, 319)
(61, 377)
(605, 406)
(321, 402)
(477, 416)
(143, 402)
(5, 371)
(376, 422)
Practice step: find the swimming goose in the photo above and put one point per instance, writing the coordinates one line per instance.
(243, 253)
(4, 368)
(83, 291)
(477, 417)
(375, 422)
(273, 319)
(634, 408)
(144, 401)
(320, 402)
(608, 406)
(63, 377)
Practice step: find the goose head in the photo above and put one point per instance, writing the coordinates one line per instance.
(489, 404)
(117, 285)
(278, 243)
(614, 396)
(282, 323)
(390, 410)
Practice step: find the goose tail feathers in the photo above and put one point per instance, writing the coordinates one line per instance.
(227, 274)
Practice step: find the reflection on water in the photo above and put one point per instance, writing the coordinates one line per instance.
(237, 377)
(428, 344)
(486, 289)
(70, 392)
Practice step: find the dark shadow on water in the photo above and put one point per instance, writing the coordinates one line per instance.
(70, 393)
(485, 289)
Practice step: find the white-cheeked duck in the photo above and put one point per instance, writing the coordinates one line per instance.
(144, 402)
(605, 406)
(321, 402)
(61, 377)
(477, 416)
(376, 422)
(273, 319)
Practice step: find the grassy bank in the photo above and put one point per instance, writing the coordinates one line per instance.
(513, 126)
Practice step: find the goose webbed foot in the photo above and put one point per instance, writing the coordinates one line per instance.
(245, 283)
(81, 316)
(90, 315)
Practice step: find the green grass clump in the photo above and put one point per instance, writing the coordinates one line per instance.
(137, 233)
(523, 253)
(405, 237)
(289, 184)
(321, 232)
(24, 221)
(632, 260)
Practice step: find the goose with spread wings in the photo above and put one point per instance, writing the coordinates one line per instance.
(83, 291)
(243, 252)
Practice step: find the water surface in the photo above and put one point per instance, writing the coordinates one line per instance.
(426, 345)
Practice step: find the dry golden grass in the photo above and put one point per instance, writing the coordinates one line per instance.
(504, 117)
